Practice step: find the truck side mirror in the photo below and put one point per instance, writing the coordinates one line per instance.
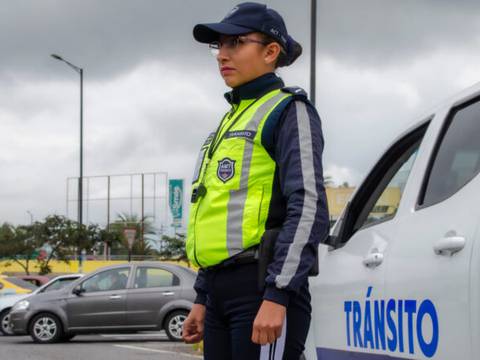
(330, 240)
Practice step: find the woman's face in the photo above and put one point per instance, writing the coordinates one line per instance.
(247, 60)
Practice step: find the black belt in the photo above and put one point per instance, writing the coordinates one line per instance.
(245, 257)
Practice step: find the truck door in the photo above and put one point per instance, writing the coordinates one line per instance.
(428, 274)
(352, 273)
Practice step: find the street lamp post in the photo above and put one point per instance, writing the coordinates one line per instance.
(31, 216)
(313, 49)
(80, 179)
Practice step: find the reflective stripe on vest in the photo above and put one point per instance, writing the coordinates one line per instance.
(231, 216)
(237, 198)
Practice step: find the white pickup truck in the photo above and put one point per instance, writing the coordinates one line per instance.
(400, 276)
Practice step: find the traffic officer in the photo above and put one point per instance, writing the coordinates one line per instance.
(258, 180)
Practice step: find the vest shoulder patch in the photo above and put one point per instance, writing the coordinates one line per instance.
(296, 91)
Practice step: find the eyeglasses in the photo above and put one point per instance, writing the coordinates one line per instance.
(232, 43)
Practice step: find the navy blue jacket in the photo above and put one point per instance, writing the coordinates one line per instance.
(293, 138)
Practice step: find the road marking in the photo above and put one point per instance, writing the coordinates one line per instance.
(134, 335)
(157, 351)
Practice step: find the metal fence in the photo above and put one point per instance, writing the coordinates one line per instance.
(107, 196)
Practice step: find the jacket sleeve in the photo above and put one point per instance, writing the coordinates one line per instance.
(298, 155)
(200, 287)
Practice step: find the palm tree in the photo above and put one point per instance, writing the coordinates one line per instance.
(328, 181)
(144, 228)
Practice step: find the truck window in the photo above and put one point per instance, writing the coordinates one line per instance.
(387, 203)
(378, 198)
(456, 159)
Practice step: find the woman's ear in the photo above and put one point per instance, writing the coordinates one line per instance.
(272, 51)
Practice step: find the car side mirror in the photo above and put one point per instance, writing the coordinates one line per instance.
(78, 291)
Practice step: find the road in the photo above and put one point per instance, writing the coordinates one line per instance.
(144, 346)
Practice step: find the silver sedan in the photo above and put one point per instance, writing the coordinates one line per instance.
(128, 298)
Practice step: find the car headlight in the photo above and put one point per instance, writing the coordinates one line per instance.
(21, 305)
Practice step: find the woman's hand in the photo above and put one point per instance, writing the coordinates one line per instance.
(268, 323)
(193, 325)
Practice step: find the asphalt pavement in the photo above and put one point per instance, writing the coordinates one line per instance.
(143, 346)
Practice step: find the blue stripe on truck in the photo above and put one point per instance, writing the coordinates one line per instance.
(332, 354)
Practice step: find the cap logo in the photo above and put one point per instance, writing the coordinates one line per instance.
(233, 11)
(278, 34)
(274, 31)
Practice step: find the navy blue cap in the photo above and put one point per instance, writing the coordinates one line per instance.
(250, 17)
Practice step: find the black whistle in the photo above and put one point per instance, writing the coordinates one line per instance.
(198, 192)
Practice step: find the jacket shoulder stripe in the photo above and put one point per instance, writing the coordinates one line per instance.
(309, 209)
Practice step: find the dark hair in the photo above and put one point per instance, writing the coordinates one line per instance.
(284, 58)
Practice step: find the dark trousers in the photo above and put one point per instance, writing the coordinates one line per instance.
(232, 305)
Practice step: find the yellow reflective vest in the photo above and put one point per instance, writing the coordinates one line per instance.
(232, 184)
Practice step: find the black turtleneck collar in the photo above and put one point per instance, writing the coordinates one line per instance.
(255, 88)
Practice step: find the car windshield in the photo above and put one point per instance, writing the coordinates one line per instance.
(59, 284)
(21, 283)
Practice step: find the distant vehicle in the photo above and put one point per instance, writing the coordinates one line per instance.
(128, 298)
(12, 285)
(7, 302)
(37, 280)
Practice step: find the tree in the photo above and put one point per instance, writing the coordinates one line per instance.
(328, 181)
(110, 237)
(141, 246)
(174, 248)
(65, 237)
(17, 244)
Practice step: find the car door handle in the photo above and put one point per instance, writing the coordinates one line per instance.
(168, 293)
(449, 245)
(113, 297)
(373, 259)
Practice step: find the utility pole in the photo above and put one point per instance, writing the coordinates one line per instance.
(80, 179)
(313, 49)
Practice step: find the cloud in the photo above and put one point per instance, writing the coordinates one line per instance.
(148, 119)
(340, 175)
(152, 94)
(364, 110)
(107, 37)
(379, 33)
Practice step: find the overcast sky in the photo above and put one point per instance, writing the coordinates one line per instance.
(152, 93)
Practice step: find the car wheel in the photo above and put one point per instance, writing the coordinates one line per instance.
(174, 324)
(46, 329)
(4, 323)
